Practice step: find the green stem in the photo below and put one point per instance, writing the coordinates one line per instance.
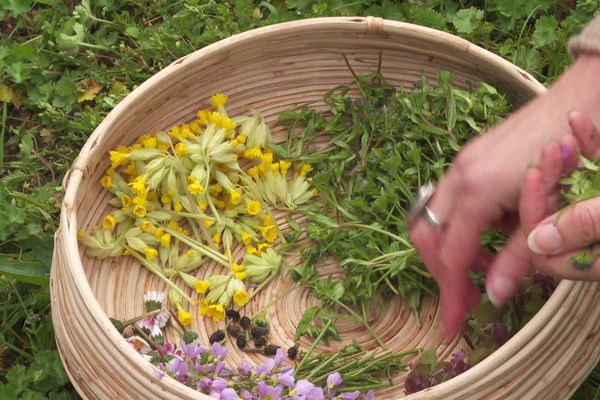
(306, 355)
(157, 272)
(363, 321)
(218, 257)
(375, 229)
(141, 317)
(323, 365)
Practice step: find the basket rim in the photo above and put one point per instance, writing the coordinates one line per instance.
(374, 25)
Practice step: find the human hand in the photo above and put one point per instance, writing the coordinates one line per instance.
(482, 190)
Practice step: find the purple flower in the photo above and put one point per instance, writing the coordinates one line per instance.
(280, 357)
(370, 395)
(303, 387)
(205, 385)
(286, 378)
(269, 392)
(265, 368)
(219, 384)
(191, 351)
(229, 394)
(219, 351)
(178, 367)
(245, 368)
(159, 374)
(333, 381)
(351, 395)
(316, 393)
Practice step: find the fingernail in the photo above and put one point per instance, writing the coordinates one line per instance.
(500, 288)
(545, 239)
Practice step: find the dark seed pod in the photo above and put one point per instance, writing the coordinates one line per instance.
(241, 342)
(293, 352)
(270, 350)
(234, 330)
(245, 323)
(217, 336)
(258, 331)
(260, 341)
(232, 314)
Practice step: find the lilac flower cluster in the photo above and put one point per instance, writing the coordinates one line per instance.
(205, 370)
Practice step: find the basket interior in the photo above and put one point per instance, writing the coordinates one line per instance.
(274, 71)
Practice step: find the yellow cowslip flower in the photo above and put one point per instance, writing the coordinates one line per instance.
(254, 172)
(269, 233)
(267, 220)
(150, 253)
(284, 166)
(216, 311)
(159, 232)
(208, 223)
(235, 197)
(163, 146)
(216, 238)
(149, 141)
(109, 222)
(117, 158)
(305, 169)
(152, 195)
(202, 205)
(139, 200)
(203, 116)
(253, 153)
(246, 238)
(139, 211)
(218, 100)
(228, 125)
(106, 181)
(181, 150)
(171, 192)
(251, 250)
(139, 185)
(125, 201)
(241, 138)
(183, 316)
(275, 168)
(237, 267)
(165, 199)
(195, 127)
(147, 226)
(130, 169)
(201, 286)
(215, 189)
(253, 207)
(191, 253)
(195, 188)
(220, 204)
(267, 158)
(240, 275)
(186, 132)
(262, 246)
(175, 132)
(240, 298)
(165, 240)
(202, 307)
(215, 118)
(178, 206)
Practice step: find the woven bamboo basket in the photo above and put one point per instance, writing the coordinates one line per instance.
(271, 69)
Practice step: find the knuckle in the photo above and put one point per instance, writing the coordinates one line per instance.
(586, 220)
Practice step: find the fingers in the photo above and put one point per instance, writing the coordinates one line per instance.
(585, 132)
(576, 227)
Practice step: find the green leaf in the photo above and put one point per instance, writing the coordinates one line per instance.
(468, 20)
(429, 357)
(546, 29)
(18, 7)
(306, 321)
(33, 272)
(19, 72)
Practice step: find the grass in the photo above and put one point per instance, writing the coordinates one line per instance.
(65, 64)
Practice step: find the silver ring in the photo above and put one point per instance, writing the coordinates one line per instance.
(419, 207)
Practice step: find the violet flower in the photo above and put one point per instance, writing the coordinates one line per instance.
(333, 381)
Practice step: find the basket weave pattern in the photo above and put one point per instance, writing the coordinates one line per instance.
(272, 69)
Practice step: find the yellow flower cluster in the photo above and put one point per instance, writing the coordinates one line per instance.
(181, 198)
